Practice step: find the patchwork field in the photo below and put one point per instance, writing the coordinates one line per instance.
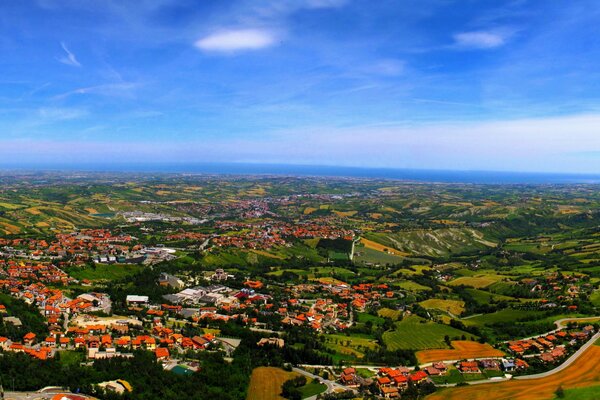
(455, 307)
(460, 349)
(415, 333)
(369, 244)
(478, 281)
(584, 372)
(266, 382)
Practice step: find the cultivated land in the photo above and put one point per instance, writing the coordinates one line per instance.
(418, 334)
(460, 349)
(266, 382)
(584, 372)
(224, 275)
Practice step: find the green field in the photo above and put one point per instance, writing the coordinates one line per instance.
(506, 315)
(416, 333)
(484, 297)
(99, 272)
(584, 393)
(411, 286)
(312, 388)
(389, 313)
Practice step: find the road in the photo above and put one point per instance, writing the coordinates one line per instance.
(564, 365)
(331, 385)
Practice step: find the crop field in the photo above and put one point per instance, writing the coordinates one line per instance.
(506, 315)
(369, 244)
(478, 281)
(456, 307)
(439, 242)
(365, 255)
(484, 297)
(584, 372)
(266, 382)
(411, 286)
(460, 349)
(389, 313)
(414, 333)
(352, 345)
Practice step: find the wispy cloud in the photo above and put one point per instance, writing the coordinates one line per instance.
(61, 114)
(69, 58)
(122, 89)
(479, 40)
(236, 40)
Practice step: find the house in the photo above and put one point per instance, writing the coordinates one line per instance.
(162, 353)
(390, 392)
(508, 365)
(490, 364)
(29, 338)
(136, 300)
(349, 378)
(469, 367)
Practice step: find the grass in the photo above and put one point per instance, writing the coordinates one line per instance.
(416, 333)
(506, 315)
(266, 382)
(595, 298)
(350, 347)
(312, 388)
(483, 297)
(455, 307)
(105, 271)
(71, 358)
(584, 393)
(375, 257)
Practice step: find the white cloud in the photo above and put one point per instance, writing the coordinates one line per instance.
(479, 40)
(69, 58)
(236, 40)
(61, 114)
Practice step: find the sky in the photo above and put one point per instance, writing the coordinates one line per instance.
(432, 84)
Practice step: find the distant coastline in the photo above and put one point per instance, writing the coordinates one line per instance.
(415, 175)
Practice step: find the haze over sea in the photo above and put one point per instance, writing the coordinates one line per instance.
(416, 175)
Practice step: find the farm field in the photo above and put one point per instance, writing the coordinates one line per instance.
(411, 286)
(477, 281)
(415, 333)
(369, 244)
(351, 346)
(455, 307)
(506, 315)
(389, 313)
(584, 372)
(266, 382)
(460, 349)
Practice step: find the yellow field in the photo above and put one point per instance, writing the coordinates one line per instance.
(33, 211)
(454, 306)
(369, 244)
(266, 382)
(477, 282)
(345, 213)
(309, 210)
(585, 371)
(91, 210)
(389, 313)
(461, 349)
(266, 254)
(9, 229)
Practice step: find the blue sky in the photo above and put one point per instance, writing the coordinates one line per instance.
(486, 85)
